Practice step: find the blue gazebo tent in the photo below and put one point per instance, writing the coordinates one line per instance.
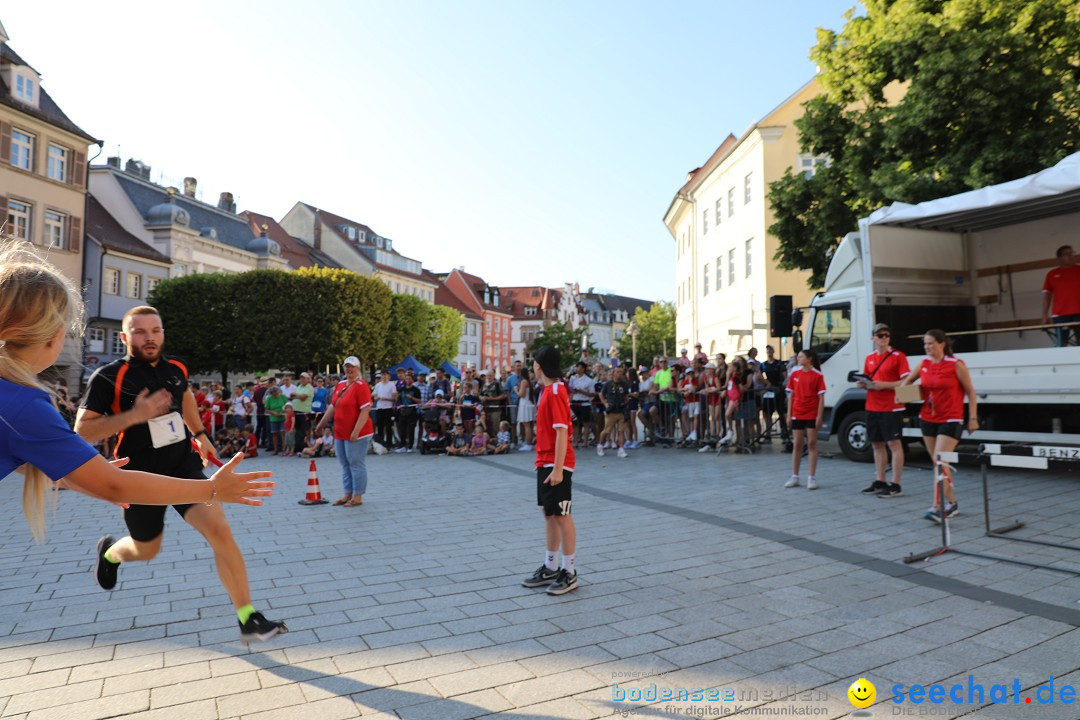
(410, 363)
(449, 369)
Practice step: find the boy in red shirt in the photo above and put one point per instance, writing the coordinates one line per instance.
(251, 445)
(554, 466)
(806, 409)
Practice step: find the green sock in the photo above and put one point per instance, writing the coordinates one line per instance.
(107, 557)
(244, 613)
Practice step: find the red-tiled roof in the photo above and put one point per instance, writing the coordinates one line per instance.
(444, 296)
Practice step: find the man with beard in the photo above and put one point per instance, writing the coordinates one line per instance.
(145, 398)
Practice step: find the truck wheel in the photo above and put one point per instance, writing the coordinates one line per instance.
(853, 439)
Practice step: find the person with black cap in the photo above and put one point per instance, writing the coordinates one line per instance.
(884, 416)
(554, 467)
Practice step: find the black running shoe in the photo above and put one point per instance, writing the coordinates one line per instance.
(952, 509)
(876, 488)
(541, 577)
(564, 583)
(257, 628)
(105, 571)
(893, 490)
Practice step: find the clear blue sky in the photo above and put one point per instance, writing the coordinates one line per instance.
(533, 143)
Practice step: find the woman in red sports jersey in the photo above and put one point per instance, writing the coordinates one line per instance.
(806, 410)
(944, 380)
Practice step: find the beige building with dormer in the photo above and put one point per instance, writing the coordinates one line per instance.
(42, 178)
(725, 271)
(357, 247)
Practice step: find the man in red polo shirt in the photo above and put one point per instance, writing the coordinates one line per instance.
(884, 416)
(1061, 290)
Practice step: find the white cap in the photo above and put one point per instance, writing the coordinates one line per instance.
(439, 392)
(352, 360)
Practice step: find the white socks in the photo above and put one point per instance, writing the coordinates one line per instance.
(568, 564)
(549, 560)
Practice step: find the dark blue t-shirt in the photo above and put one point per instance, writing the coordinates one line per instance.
(32, 431)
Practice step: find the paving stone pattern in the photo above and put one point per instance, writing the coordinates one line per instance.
(697, 571)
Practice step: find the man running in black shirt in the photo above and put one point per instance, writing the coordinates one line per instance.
(146, 399)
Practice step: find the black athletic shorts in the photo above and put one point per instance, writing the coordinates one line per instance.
(555, 500)
(147, 522)
(803, 424)
(582, 412)
(884, 426)
(948, 429)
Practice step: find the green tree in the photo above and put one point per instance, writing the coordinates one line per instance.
(656, 332)
(444, 328)
(198, 316)
(409, 327)
(355, 314)
(923, 99)
(567, 340)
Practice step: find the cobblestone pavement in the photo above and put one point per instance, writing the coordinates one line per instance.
(696, 571)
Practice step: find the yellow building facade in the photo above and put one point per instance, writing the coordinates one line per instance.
(725, 271)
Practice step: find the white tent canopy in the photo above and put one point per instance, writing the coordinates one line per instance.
(1054, 191)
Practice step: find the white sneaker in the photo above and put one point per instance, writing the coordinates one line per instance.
(691, 437)
(811, 483)
(399, 451)
(729, 437)
(621, 453)
(793, 482)
(599, 449)
(704, 448)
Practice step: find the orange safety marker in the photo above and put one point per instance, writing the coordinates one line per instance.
(313, 497)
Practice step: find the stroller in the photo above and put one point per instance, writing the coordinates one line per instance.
(432, 438)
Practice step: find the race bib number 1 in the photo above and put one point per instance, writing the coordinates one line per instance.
(166, 430)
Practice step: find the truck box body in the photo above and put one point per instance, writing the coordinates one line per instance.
(971, 263)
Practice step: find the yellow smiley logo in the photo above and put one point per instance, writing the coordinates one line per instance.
(862, 693)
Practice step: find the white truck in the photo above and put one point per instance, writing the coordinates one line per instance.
(972, 265)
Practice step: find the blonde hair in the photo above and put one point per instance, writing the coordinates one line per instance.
(36, 301)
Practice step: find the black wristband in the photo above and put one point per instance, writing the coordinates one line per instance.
(201, 432)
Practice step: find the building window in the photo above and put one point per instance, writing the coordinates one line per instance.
(22, 149)
(749, 256)
(95, 339)
(134, 285)
(110, 283)
(472, 348)
(719, 273)
(54, 230)
(808, 164)
(473, 329)
(746, 188)
(705, 280)
(24, 88)
(58, 163)
(719, 203)
(487, 348)
(19, 214)
(118, 347)
(704, 222)
(730, 202)
(731, 267)
(151, 283)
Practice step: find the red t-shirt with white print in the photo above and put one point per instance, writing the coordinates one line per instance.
(553, 411)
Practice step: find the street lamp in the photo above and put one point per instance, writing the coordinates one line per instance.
(633, 330)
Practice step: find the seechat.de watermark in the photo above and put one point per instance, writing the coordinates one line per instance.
(973, 692)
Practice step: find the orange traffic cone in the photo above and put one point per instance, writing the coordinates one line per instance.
(313, 497)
